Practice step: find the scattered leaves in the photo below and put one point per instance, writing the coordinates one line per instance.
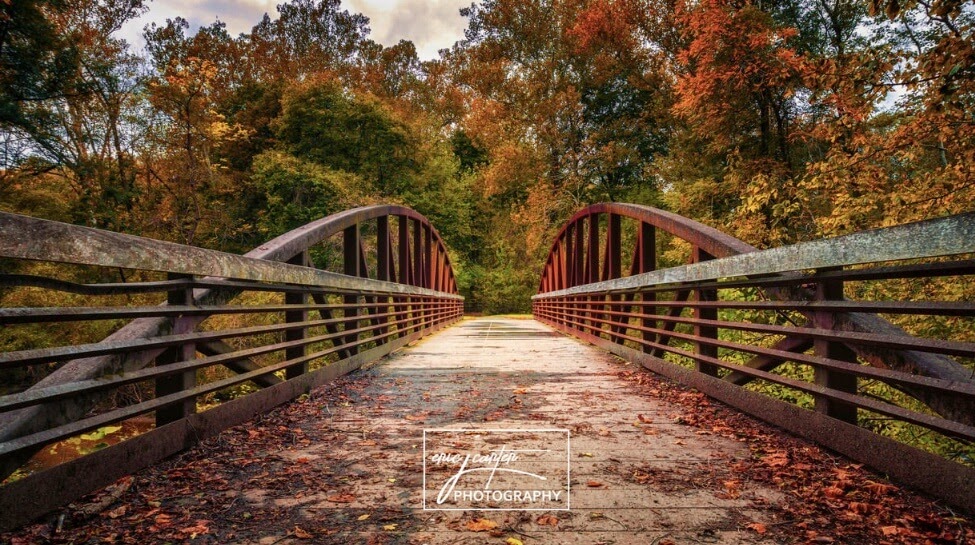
(547, 520)
(757, 527)
(481, 525)
(341, 498)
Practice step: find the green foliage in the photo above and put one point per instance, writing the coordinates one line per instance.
(325, 124)
(297, 192)
(37, 61)
(505, 290)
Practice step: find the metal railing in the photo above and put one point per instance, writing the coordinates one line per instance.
(268, 319)
(737, 323)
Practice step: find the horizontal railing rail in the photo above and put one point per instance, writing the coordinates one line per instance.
(850, 330)
(252, 331)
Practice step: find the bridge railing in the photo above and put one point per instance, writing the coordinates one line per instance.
(269, 320)
(737, 323)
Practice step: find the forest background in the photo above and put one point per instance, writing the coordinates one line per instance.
(776, 121)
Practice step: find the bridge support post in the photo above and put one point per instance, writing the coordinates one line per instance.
(592, 272)
(384, 265)
(647, 255)
(832, 290)
(179, 382)
(350, 264)
(613, 270)
(296, 316)
(405, 270)
(705, 331)
(416, 302)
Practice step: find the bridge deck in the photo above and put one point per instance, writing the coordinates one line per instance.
(650, 462)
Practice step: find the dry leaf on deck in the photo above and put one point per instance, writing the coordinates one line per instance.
(481, 525)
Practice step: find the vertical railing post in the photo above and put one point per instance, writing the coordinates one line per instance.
(705, 331)
(418, 253)
(592, 270)
(384, 249)
(570, 260)
(578, 265)
(558, 273)
(405, 270)
(350, 263)
(832, 290)
(648, 262)
(579, 257)
(416, 302)
(296, 316)
(614, 260)
(428, 254)
(178, 382)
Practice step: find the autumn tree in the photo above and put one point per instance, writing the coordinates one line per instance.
(908, 153)
(308, 37)
(68, 100)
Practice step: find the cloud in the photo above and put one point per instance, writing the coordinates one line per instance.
(430, 24)
(239, 15)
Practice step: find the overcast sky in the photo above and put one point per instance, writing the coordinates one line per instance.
(430, 24)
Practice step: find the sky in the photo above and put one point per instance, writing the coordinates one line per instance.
(430, 24)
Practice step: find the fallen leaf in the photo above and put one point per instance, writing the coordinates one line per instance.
(777, 459)
(879, 489)
(644, 419)
(341, 498)
(889, 530)
(389, 527)
(834, 492)
(163, 520)
(521, 391)
(201, 527)
(594, 484)
(513, 541)
(363, 517)
(301, 534)
(547, 519)
(481, 525)
(758, 527)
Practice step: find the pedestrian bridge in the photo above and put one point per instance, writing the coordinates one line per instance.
(624, 401)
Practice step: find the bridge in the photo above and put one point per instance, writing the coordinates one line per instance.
(324, 386)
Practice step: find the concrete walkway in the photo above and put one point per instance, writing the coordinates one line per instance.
(633, 470)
